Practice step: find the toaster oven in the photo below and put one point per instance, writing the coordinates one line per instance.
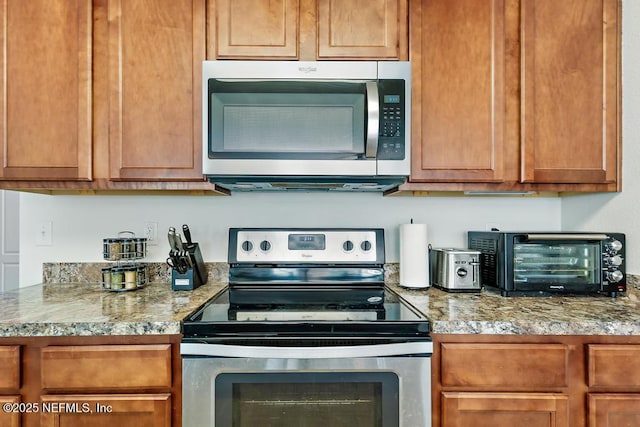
(557, 262)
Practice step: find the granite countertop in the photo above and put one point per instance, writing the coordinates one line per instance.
(86, 309)
(488, 312)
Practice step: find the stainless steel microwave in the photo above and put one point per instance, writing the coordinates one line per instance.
(556, 262)
(289, 125)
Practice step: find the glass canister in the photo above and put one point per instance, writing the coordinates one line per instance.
(106, 277)
(112, 249)
(140, 247)
(130, 277)
(142, 275)
(117, 278)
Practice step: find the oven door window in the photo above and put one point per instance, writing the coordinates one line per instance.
(310, 399)
(287, 120)
(556, 262)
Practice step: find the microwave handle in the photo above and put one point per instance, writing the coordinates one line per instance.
(567, 236)
(373, 119)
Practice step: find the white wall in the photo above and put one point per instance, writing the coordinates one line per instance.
(81, 222)
(619, 212)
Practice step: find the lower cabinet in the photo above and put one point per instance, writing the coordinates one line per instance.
(9, 418)
(526, 380)
(505, 409)
(125, 381)
(123, 410)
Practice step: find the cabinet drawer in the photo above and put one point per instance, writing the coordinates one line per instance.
(614, 366)
(9, 367)
(106, 367)
(526, 366)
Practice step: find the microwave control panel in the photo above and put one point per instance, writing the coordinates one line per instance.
(392, 134)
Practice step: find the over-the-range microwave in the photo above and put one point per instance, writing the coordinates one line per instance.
(290, 125)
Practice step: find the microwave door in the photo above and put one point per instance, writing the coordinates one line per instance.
(292, 120)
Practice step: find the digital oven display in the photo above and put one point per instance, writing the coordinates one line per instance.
(307, 242)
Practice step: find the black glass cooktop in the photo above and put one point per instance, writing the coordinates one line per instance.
(384, 314)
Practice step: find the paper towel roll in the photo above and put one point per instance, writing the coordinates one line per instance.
(414, 256)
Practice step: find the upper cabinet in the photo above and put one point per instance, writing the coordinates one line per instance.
(516, 95)
(155, 52)
(308, 29)
(46, 120)
(571, 92)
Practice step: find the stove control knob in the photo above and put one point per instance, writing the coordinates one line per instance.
(614, 245)
(615, 260)
(614, 276)
(265, 245)
(366, 246)
(247, 246)
(347, 246)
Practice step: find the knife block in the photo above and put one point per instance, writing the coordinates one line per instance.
(193, 277)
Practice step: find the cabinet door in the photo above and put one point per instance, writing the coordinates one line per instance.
(45, 113)
(253, 29)
(458, 97)
(570, 94)
(156, 49)
(375, 29)
(9, 368)
(126, 410)
(504, 409)
(9, 418)
(614, 410)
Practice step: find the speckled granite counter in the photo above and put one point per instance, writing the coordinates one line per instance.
(85, 309)
(489, 313)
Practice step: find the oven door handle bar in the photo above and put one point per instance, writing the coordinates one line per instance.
(422, 348)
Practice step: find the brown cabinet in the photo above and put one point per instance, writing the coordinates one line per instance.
(308, 29)
(613, 377)
(504, 409)
(515, 95)
(91, 381)
(46, 112)
(155, 52)
(134, 410)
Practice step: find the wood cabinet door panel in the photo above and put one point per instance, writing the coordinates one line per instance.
(10, 367)
(614, 410)
(522, 366)
(134, 410)
(254, 29)
(361, 28)
(156, 49)
(106, 367)
(9, 418)
(570, 101)
(45, 114)
(504, 410)
(458, 98)
(614, 367)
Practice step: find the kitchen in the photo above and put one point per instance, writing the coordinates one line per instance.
(79, 223)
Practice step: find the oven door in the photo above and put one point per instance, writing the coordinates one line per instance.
(385, 385)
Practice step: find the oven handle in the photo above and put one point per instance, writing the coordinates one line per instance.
(424, 348)
(373, 119)
(567, 236)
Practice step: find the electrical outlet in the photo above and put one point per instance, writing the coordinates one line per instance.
(151, 232)
(44, 235)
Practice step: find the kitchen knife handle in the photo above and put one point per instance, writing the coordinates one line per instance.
(187, 233)
(171, 235)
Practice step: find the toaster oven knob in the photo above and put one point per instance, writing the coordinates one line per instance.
(247, 246)
(347, 246)
(365, 246)
(265, 245)
(461, 272)
(615, 260)
(614, 245)
(614, 276)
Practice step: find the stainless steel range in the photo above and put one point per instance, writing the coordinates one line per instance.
(306, 335)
